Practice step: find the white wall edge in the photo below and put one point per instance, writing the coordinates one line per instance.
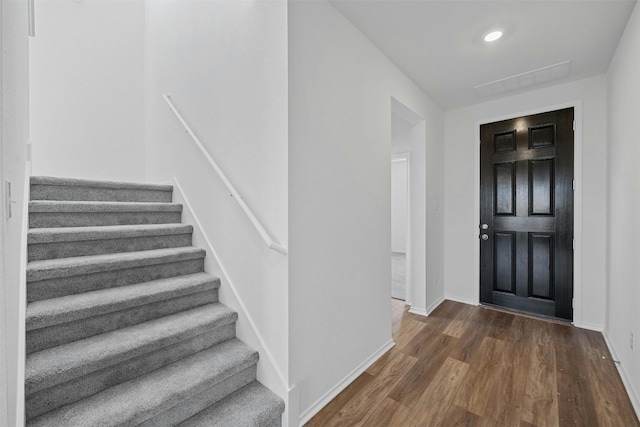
(577, 198)
(628, 384)
(22, 300)
(282, 389)
(335, 390)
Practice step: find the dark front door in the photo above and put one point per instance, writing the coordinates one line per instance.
(526, 214)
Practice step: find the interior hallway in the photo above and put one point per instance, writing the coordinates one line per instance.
(475, 366)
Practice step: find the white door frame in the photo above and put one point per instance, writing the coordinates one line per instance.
(406, 157)
(3, 333)
(577, 197)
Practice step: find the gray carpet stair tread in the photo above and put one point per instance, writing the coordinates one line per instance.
(55, 311)
(74, 182)
(47, 206)
(136, 400)
(62, 363)
(74, 234)
(252, 406)
(65, 267)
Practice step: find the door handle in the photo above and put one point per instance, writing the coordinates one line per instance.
(484, 226)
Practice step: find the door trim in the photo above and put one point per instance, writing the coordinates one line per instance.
(405, 156)
(577, 197)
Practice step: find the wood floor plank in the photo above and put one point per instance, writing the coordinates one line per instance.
(459, 417)
(370, 396)
(504, 369)
(609, 393)
(390, 414)
(501, 326)
(507, 388)
(422, 342)
(447, 310)
(418, 378)
(379, 364)
(540, 403)
(576, 406)
(410, 329)
(473, 395)
(458, 325)
(471, 339)
(329, 411)
(433, 406)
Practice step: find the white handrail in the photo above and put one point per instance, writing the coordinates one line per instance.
(271, 243)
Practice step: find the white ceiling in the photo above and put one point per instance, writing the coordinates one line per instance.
(438, 43)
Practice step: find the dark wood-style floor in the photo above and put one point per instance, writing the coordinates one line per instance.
(475, 366)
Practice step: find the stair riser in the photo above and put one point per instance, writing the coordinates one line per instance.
(40, 339)
(202, 400)
(89, 219)
(84, 193)
(56, 396)
(42, 251)
(57, 287)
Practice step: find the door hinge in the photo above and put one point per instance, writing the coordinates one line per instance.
(573, 244)
(574, 125)
(573, 185)
(573, 303)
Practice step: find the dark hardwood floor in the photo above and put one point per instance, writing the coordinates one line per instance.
(475, 366)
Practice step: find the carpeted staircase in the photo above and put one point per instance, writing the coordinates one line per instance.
(123, 325)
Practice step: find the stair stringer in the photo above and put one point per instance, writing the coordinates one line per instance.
(22, 299)
(269, 372)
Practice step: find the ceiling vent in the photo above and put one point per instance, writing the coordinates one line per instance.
(529, 78)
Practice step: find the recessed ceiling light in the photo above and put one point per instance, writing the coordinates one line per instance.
(493, 36)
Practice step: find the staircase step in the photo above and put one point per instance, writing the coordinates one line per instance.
(135, 401)
(63, 363)
(123, 326)
(252, 406)
(51, 188)
(48, 214)
(65, 276)
(71, 391)
(57, 321)
(62, 242)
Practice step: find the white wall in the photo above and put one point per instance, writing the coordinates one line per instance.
(623, 231)
(340, 91)
(461, 228)
(14, 133)
(87, 89)
(225, 65)
(399, 212)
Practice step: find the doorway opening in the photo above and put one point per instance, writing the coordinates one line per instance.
(399, 224)
(408, 195)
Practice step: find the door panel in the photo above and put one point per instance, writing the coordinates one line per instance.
(526, 202)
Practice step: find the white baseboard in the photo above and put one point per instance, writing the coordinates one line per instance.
(335, 390)
(591, 327)
(461, 300)
(418, 311)
(269, 373)
(435, 305)
(628, 385)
